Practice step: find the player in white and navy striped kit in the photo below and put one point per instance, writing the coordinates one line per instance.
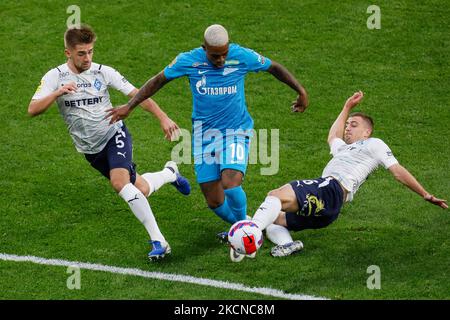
(315, 203)
(80, 89)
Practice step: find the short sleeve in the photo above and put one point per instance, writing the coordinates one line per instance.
(115, 80)
(383, 153)
(336, 145)
(178, 67)
(49, 84)
(254, 61)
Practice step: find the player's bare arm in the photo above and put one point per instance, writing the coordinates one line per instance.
(338, 127)
(169, 127)
(148, 89)
(404, 176)
(39, 106)
(283, 75)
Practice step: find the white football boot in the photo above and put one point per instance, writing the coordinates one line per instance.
(284, 250)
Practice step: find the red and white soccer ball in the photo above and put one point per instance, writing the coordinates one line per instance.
(245, 237)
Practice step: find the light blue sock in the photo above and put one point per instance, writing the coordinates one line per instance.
(237, 201)
(224, 212)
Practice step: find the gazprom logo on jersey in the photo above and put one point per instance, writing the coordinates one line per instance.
(213, 91)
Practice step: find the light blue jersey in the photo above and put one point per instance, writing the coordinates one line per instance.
(218, 93)
(219, 106)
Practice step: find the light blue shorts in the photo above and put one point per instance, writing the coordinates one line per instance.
(229, 153)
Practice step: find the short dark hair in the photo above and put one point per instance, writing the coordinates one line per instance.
(82, 35)
(365, 117)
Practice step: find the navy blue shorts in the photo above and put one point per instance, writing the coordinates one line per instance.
(118, 153)
(320, 201)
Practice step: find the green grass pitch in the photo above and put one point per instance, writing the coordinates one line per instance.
(53, 205)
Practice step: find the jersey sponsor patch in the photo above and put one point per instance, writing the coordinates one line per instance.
(84, 85)
(197, 64)
(83, 102)
(231, 62)
(63, 74)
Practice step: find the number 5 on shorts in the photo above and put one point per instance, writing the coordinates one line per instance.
(119, 143)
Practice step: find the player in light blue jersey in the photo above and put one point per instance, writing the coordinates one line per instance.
(220, 120)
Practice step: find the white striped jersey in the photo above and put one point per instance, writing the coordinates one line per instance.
(84, 111)
(352, 163)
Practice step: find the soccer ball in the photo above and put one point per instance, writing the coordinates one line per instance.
(245, 237)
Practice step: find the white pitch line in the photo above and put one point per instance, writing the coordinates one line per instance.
(159, 276)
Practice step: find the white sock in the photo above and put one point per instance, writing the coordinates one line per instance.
(267, 212)
(141, 208)
(278, 234)
(156, 180)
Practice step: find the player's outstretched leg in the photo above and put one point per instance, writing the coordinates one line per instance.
(169, 174)
(267, 212)
(272, 211)
(139, 205)
(278, 200)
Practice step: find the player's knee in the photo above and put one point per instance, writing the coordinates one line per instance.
(288, 199)
(281, 219)
(118, 184)
(231, 184)
(214, 203)
(119, 178)
(143, 186)
(231, 179)
(278, 194)
(144, 189)
(275, 193)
